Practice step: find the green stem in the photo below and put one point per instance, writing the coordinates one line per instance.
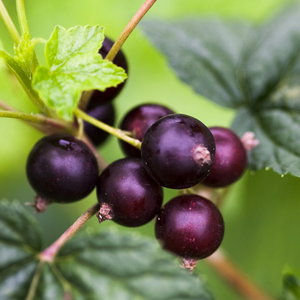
(114, 131)
(22, 17)
(9, 24)
(128, 29)
(32, 118)
(35, 282)
(49, 253)
(25, 28)
(24, 80)
(80, 129)
(41, 123)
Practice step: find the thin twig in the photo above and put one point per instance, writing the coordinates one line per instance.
(33, 118)
(49, 253)
(43, 124)
(86, 95)
(235, 277)
(128, 29)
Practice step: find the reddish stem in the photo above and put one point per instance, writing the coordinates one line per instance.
(235, 277)
(128, 29)
(49, 253)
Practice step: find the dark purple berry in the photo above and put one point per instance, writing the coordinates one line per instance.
(138, 120)
(178, 151)
(127, 194)
(230, 158)
(190, 226)
(61, 168)
(120, 60)
(104, 113)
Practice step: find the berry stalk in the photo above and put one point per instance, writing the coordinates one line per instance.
(49, 253)
(114, 131)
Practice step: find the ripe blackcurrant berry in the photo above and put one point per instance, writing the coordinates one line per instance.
(120, 60)
(178, 151)
(104, 113)
(230, 158)
(190, 226)
(138, 120)
(127, 194)
(61, 168)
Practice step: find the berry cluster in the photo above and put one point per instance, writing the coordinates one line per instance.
(177, 152)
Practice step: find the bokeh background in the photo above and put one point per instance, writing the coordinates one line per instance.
(261, 211)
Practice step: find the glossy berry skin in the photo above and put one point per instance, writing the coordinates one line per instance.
(138, 120)
(133, 196)
(61, 168)
(230, 158)
(120, 60)
(178, 151)
(104, 113)
(190, 226)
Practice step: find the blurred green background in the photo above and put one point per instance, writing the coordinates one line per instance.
(261, 211)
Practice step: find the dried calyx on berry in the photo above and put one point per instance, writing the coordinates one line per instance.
(127, 194)
(178, 151)
(191, 227)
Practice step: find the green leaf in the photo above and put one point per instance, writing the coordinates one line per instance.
(92, 265)
(113, 266)
(255, 70)
(20, 242)
(73, 66)
(24, 53)
(204, 54)
(291, 285)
